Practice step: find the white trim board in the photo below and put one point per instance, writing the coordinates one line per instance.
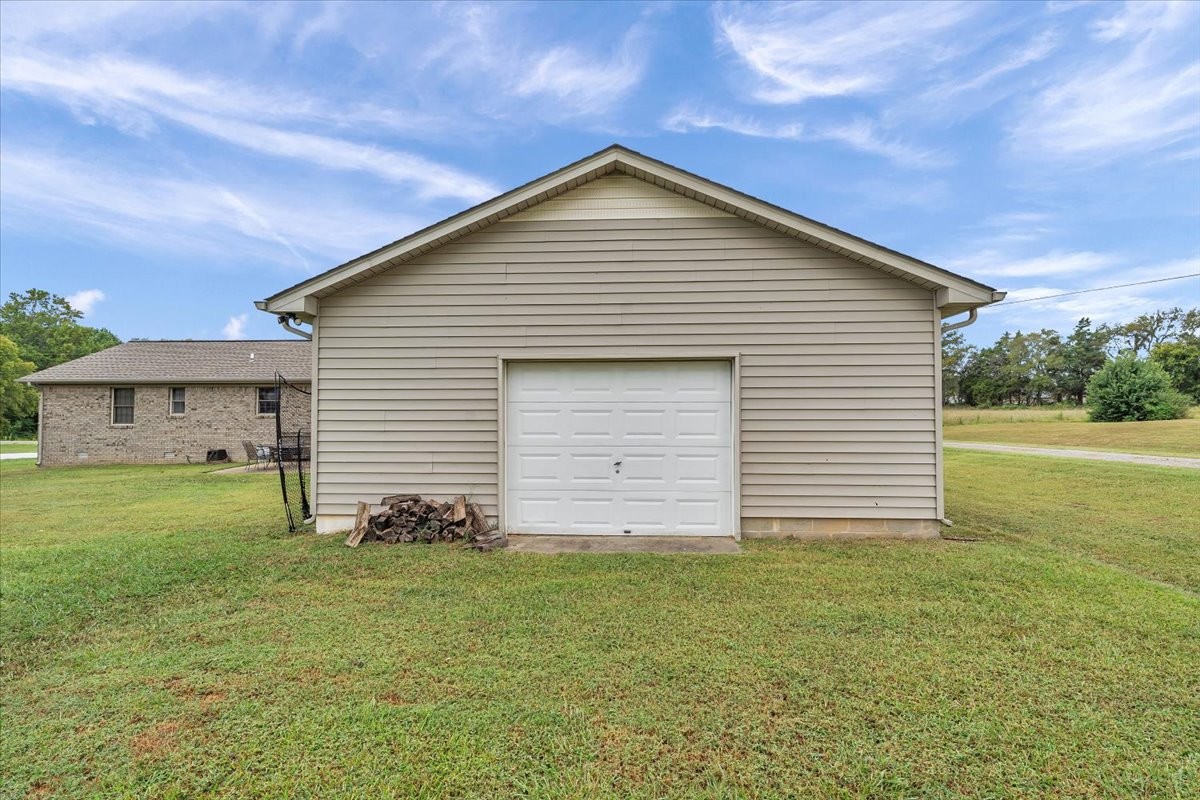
(955, 292)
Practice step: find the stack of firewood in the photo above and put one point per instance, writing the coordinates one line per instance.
(410, 518)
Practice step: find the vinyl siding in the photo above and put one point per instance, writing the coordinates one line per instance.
(838, 360)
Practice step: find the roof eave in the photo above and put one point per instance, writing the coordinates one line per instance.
(167, 381)
(618, 158)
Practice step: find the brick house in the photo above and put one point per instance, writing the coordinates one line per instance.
(146, 402)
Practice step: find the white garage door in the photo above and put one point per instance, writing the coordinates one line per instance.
(640, 447)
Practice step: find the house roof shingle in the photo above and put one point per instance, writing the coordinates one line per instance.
(184, 362)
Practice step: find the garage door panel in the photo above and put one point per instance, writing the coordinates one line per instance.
(532, 424)
(700, 513)
(619, 447)
(708, 425)
(617, 381)
(690, 469)
(590, 425)
(643, 470)
(593, 469)
(635, 513)
(537, 469)
(705, 423)
(702, 469)
(536, 511)
(646, 515)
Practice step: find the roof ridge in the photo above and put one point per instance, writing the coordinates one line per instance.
(619, 158)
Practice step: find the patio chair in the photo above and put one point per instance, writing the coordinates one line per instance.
(256, 454)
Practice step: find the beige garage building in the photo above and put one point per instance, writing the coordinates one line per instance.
(622, 347)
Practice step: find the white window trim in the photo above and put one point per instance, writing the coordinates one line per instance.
(112, 407)
(171, 412)
(258, 412)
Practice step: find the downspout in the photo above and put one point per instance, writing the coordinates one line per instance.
(285, 322)
(972, 315)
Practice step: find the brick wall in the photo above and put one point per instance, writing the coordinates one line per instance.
(78, 419)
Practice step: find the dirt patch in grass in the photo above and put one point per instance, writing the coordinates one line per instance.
(156, 740)
(41, 789)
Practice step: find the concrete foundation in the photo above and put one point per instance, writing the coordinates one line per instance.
(552, 544)
(839, 528)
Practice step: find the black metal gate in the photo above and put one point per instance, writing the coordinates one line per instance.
(293, 449)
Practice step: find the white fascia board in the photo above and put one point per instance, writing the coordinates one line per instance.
(831, 237)
(455, 226)
(628, 162)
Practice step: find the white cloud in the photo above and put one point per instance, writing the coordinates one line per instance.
(1106, 305)
(431, 180)
(1136, 20)
(235, 328)
(99, 21)
(585, 84)
(136, 96)
(865, 136)
(687, 118)
(84, 301)
(861, 135)
(1056, 262)
(947, 96)
(1140, 94)
(809, 50)
(329, 20)
(154, 211)
(488, 47)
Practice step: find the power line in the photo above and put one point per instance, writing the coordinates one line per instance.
(1100, 289)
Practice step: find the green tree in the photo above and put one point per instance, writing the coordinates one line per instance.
(1044, 365)
(18, 401)
(1189, 327)
(1181, 361)
(1082, 356)
(1130, 389)
(1148, 330)
(982, 381)
(46, 329)
(956, 354)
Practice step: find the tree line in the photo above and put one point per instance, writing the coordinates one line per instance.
(1044, 367)
(38, 330)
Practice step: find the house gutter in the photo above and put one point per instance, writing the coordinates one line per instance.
(285, 321)
(973, 313)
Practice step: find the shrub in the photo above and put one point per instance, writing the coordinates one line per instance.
(1181, 361)
(1128, 389)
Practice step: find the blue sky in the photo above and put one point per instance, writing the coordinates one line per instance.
(165, 165)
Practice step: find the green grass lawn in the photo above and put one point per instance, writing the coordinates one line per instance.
(161, 638)
(18, 447)
(1069, 428)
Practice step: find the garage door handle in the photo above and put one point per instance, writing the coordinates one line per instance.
(616, 463)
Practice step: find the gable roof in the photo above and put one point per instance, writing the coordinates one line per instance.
(956, 293)
(187, 362)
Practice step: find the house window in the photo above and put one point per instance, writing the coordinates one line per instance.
(268, 399)
(178, 401)
(122, 406)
